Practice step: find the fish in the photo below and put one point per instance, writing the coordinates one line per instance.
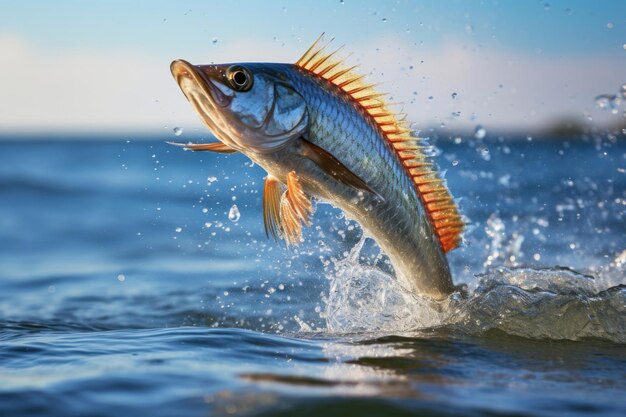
(322, 132)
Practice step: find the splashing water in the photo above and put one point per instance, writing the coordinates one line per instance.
(364, 298)
(553, 303)
(503, 249)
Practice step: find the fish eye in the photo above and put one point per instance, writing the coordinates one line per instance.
(239, 78)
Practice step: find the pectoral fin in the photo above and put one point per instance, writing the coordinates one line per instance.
(298, 200)
(218, 147)
(292, 228)
(283, 215)
(333, 167)
(271, 208)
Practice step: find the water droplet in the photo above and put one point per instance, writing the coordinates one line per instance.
(622, 91)
(479, 132)
(609, 25)
(341, 2)
(568, 11)
(384, 20)
(233, 213)
(454, 95)
(607, 102)
(210, 180)
(121, 278)
(178, 131)
(455, 163)
(214, 40)
(179, 229)
(546, 7)
(484, 153)
(602, 101)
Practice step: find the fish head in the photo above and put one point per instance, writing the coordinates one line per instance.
(249, 107)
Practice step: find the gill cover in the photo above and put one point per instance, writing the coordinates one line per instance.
(249, 107)
(273, 113)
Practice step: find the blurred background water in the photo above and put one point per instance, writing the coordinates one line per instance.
(136, 277)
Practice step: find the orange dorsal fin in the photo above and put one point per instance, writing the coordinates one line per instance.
(438, 202)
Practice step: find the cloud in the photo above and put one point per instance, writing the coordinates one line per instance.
(73, 89)
(117, 90)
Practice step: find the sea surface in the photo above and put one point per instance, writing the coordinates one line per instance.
(136, 279)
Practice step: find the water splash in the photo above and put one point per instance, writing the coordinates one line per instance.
(554, 303)
(364, 298)
(503, 249)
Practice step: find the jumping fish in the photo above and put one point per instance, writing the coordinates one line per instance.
(319, 130)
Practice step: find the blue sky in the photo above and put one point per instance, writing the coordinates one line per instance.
(559, 27)
(148, 34)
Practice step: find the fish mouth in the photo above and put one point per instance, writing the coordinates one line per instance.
(205, 97)
(197, 79)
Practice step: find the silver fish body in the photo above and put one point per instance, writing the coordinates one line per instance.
(398, 221)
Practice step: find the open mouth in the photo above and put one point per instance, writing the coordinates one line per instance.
(204, 96)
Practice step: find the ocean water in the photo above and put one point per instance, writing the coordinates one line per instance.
(136, 277)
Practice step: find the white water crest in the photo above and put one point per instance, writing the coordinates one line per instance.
(553, 303)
